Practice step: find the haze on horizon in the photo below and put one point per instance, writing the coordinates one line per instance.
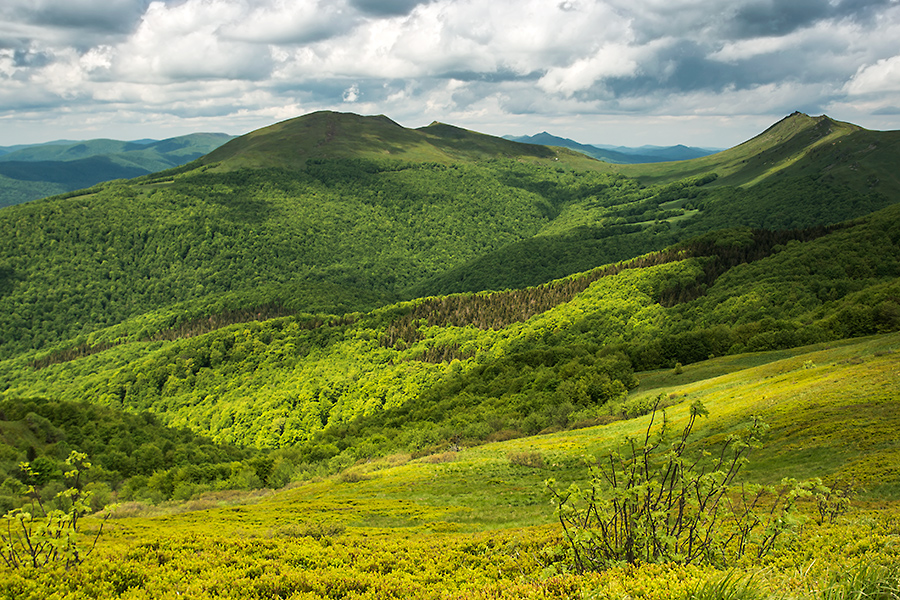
(697, 72)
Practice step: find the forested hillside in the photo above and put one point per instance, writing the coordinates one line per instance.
(335, 213)
(290, 289)
(46, 169)
(474, 365)
(424, 338)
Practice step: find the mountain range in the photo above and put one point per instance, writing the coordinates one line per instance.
(384, 343)
(339, 286)
(619, 154)
(28, 172)
(31, 171)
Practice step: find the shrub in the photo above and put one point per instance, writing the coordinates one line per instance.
(651, 502)
(36, 537)
(533, 460)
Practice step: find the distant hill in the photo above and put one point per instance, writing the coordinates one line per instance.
(329, 135)
(36, 171)
(14, 148)
(618, 154)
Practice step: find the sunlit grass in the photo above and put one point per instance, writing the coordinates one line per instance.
(477, 524)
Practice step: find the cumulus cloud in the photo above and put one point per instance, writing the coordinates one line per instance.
(285, 21)
(242, 62)
(79, 23)
(881, 77)
(351, 94)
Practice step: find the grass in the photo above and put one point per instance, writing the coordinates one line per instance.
(864, 580)
(477, 524)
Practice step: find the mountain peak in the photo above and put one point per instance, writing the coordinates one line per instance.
(327, 134)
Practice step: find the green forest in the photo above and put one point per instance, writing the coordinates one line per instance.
(373, 310)
(43, 170)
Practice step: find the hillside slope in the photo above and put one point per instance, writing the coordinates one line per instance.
(801, 172)
(797, 146)
(47, 169)
(416, 374)
(336, 213)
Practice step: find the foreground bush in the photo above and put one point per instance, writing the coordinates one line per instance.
(652, 502)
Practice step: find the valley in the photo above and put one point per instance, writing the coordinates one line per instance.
(337, 357)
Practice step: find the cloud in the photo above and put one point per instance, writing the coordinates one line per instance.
(881, 77)
(351, 94)
(79, 23)
(185, 43)
(195, 61)
(610, 61)
(286, 21)
(386, 8)
(771, 17)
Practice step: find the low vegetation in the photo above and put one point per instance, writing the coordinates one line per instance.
(478, 523)
(285, 365)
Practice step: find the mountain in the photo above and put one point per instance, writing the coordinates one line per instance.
(801, 172)
(36, 171)
(617, 154)
(169, 152)
(798, 146)
(336, 213)
(328, 135)
(8, 149)
(257, 353)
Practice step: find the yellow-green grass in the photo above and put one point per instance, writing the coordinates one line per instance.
(476, 523)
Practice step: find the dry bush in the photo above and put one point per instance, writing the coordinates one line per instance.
(503, 435)
(353, 476)
(443, 457)
(533, 460)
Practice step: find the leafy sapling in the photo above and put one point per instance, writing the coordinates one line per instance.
(35, 536)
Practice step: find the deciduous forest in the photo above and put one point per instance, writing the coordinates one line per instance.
(339, 358)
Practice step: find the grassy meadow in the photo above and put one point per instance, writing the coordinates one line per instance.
(477, 522)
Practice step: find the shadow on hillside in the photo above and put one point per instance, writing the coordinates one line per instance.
(7, 280)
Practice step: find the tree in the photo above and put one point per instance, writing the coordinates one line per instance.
(36, 537)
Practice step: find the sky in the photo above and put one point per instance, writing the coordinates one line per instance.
(709, 73)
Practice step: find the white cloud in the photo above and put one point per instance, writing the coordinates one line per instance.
(290, 21)
(611, 60)
(191, 62)
(351, 94)
(881, 77)
(183, 42)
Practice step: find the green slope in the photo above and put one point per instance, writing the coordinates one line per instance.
(43, 170)
(797, 146)
(327, 134)
(342, 213)
(780, 145)
(477, 523)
